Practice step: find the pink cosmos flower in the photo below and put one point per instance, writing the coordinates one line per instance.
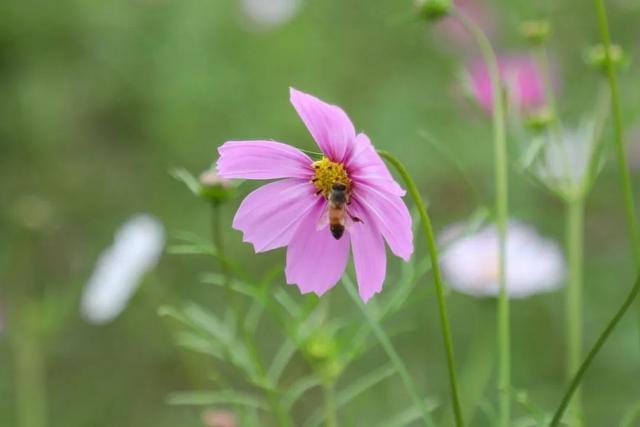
(310, 201)
(521, 78)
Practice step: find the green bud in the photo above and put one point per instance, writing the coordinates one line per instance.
(535, 32)
(321, 346)
(540, 120)
(596, 57)
(214, 187)
(433, 10)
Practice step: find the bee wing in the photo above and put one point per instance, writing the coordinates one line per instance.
(323, 221)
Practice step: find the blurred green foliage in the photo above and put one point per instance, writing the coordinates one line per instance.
(100, 100)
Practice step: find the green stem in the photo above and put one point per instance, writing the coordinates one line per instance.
(435, 266)
(502, 212)
(575, 383)
(542, 58)
(395, 359)
(331, 413)
(618, 133)
(575, 227)
(218, 240)
(30, 374)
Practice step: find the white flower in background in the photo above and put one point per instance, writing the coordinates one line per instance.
(136, 250)
(565, 158)
(470, 261)
(266, 14)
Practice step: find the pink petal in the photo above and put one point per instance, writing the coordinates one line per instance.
(262, 160)
(366, 165)
(391, 216)
(270, 215)
(369, 255)
(328, 124)
(315, 260)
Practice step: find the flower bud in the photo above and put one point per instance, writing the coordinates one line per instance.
(541, 119)
(433, 10)
(321, 346)
(596, 57)
(535, 32)
(214, 187)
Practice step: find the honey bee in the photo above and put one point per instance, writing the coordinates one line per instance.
(338, 200)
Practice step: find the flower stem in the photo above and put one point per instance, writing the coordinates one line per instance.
(30, 373)
(502, 212)
(575, 227)
(618, 132)
(621, 154)
(442, 305)
(594, 351)
(395, 359)
(331, 416)
(218, 240)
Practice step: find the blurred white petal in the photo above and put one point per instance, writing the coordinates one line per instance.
(470, 262)
(136, 250)
(566, 157)
(265, 14)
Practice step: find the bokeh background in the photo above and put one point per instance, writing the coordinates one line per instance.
(100, 100)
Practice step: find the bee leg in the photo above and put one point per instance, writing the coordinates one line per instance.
(356, 219)
(318, 192)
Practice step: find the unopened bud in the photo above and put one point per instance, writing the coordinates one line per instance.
(535, 32)
(433, 10)
(596, 57)
(541, 119)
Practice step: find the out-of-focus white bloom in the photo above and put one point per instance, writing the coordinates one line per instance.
(470, 261)
(566, 157)
(266, 14)
(136, 249)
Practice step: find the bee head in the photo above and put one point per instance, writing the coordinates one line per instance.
(338, 186)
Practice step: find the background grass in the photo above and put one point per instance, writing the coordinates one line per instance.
(98, 100)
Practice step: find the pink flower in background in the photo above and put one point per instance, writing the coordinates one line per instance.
(320, 209)
(453, 31)
(521, 77)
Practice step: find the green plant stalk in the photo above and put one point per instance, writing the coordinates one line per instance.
(387, 346)
(331, 413)
(621, 154)
(502, 213)
(437, 276)
(218, 240)
(575, 232)
(30, 376)
(575, 383)
(542, 58)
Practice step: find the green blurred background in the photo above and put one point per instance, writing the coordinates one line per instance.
(99, 100)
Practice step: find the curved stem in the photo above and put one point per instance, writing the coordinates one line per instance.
(395, 359)
(621, 154)
(594, 351)
(331, 416)
(442, 305)
(575, 225)
(502, 211)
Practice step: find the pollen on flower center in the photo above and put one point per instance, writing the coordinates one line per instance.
(327, 174)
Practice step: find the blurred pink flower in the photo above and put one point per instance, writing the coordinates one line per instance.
(521, 77)
(294, 210)
(453, 31)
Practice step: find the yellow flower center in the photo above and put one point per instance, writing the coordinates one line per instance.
(327, 174)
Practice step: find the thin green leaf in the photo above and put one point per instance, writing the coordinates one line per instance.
(187, 179)
(280, 361)
(205, 398)
(298, 389)
(408, 416)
